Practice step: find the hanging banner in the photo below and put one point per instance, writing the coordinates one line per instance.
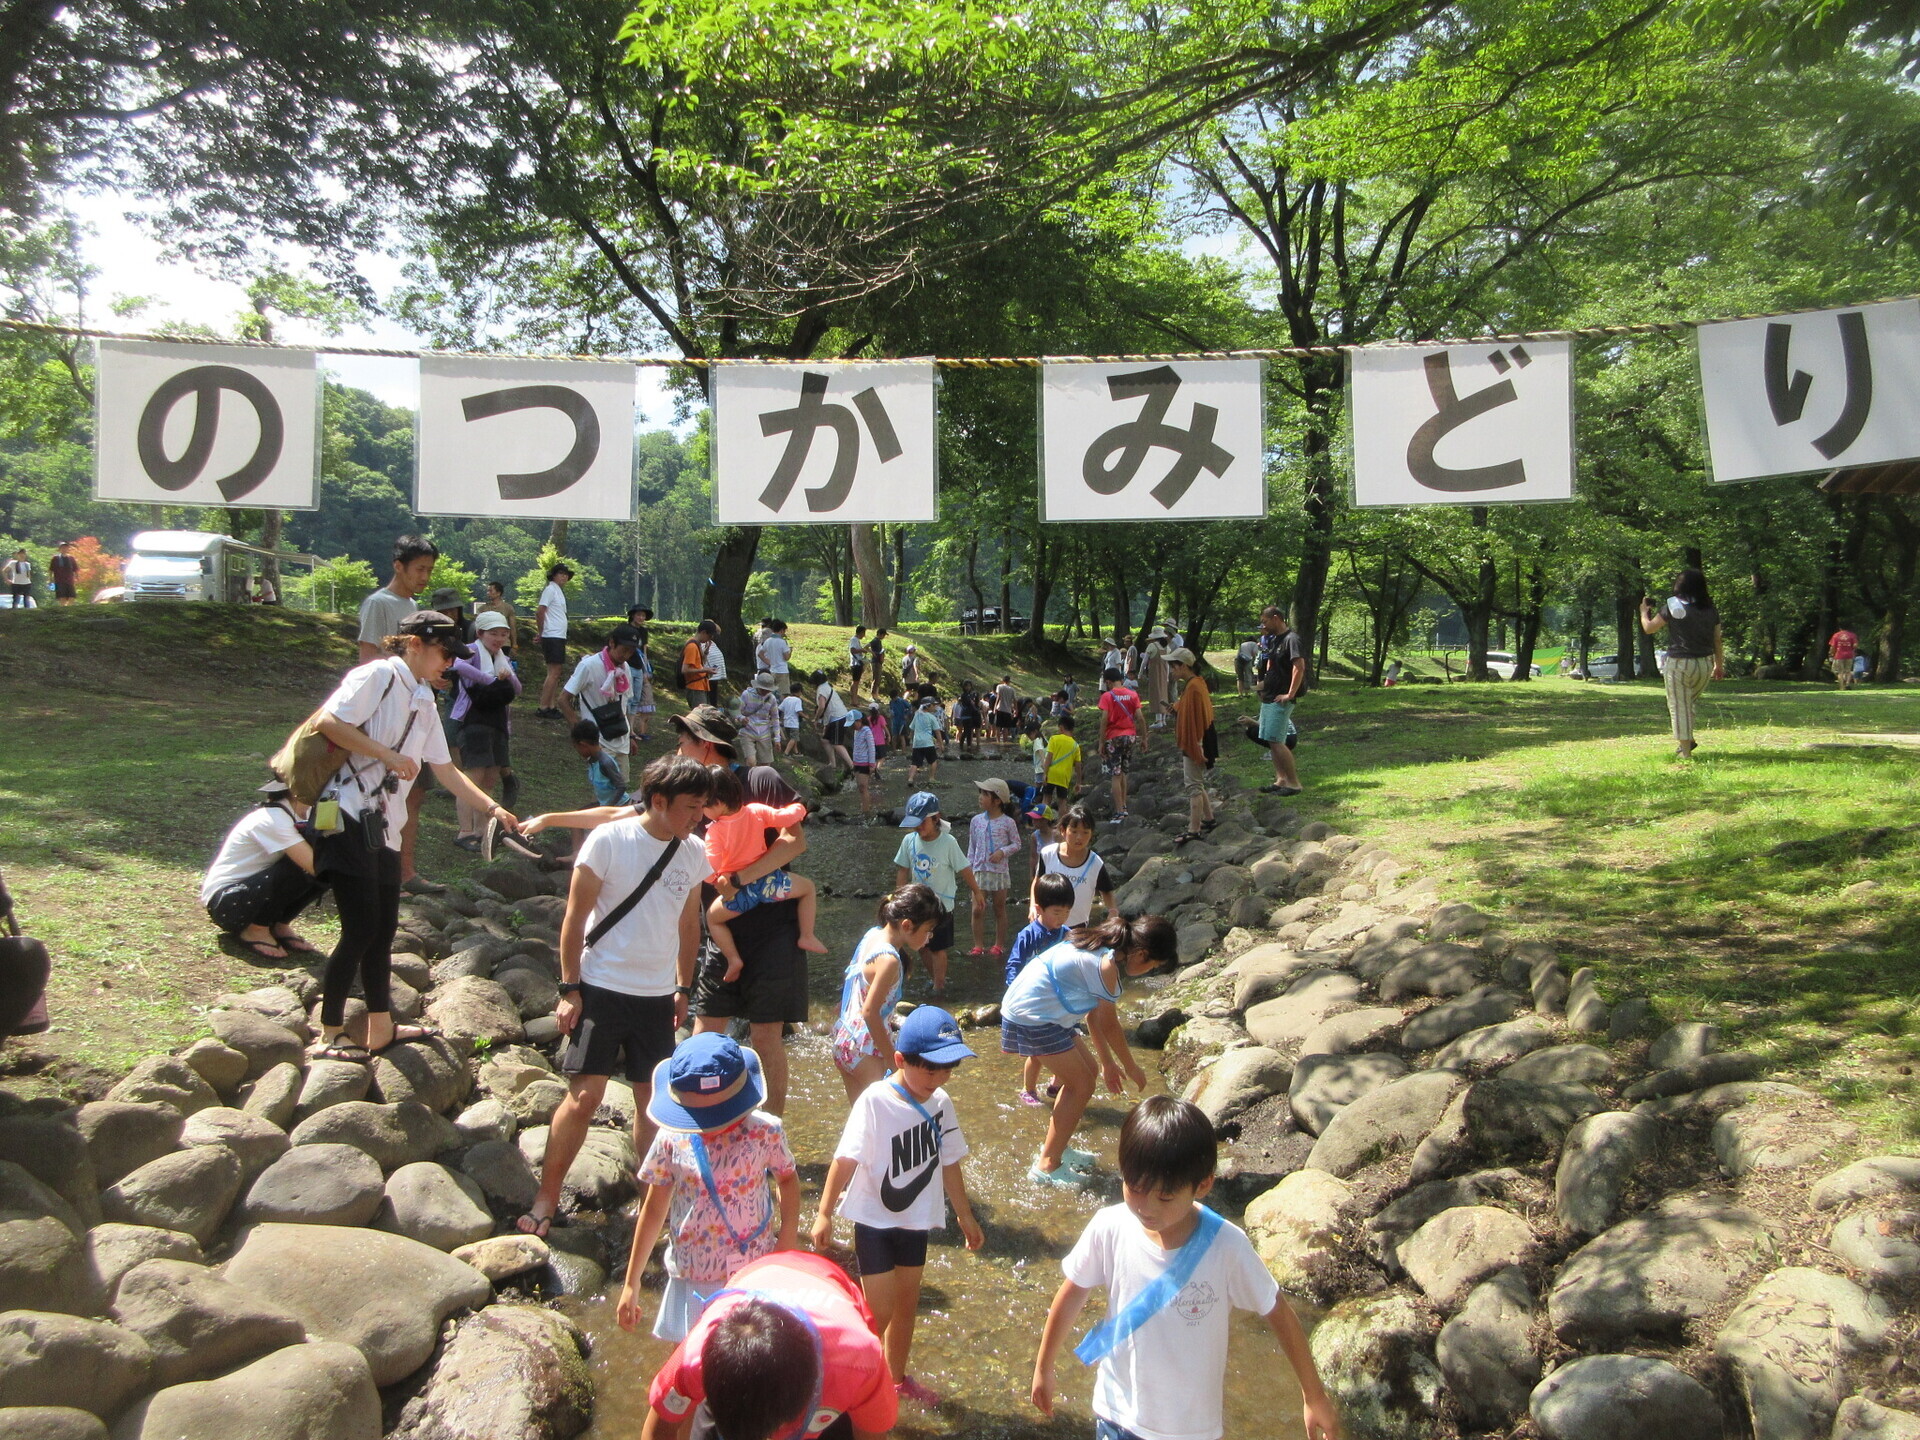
(1461, 424)
(1811, 392)
(524, 439)
(205, 425)
(878, 463)
(1176, 440)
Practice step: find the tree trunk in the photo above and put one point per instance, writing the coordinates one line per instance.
(973, 584)
(1527, 624)
(1122, 603)
(1891, 657)
(1626, 624)
(1320, 382)
(899, 575)
(1006, 581)
(1479, 614)
(726, 593)
(270, 525)
(557, 537)
(872, 569)
(1042, 588)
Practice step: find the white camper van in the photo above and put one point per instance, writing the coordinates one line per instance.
(199, 565)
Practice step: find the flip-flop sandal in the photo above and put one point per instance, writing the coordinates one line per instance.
(1185, 837)
(296, 944)
(342, 1050)
(406, 1034)
(265, 949)
(534, 1225)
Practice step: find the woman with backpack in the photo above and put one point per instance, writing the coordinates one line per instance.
(484, 686)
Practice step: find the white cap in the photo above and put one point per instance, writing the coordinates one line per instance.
(489, 620)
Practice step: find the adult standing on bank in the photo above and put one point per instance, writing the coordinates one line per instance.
(1696, 651)
(1842, 646)
(857, 660)
(627, 948)
(1280, 673)
(380, 616)
(486, 686)
(1153, 664)
(64, 571)
(603, 687)
(383, 715)
(759, 721)
(910, 668)
(773, 652)
(1193, 721)
(876, 661)
(830, 717)
(498, 603)
(696, 676)
(19, 577)
(550, 621)
(770, 992)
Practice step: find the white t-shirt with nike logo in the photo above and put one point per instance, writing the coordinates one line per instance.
(898, 1185)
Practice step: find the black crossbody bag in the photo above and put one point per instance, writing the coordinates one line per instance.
(619, 912)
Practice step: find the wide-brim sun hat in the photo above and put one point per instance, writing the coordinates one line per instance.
(708, 1082)
(709, 723)
(763, 681)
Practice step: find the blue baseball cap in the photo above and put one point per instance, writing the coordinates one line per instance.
(931, 1034)
(919, 807)
(707, 1083)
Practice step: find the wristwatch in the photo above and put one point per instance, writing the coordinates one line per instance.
(569, 987)
(686, 990)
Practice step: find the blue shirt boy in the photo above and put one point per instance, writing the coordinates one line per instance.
(1030, 942)
(603, 773)
(899, 711)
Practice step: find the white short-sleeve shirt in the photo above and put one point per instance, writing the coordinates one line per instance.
(378, 697)
(261, 836)
(775, 650)
(639, 956)
(554, 627)
(588, 685)
(900, 1153)
(1164, 1381)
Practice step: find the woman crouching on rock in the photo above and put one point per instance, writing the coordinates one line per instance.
(383, 716)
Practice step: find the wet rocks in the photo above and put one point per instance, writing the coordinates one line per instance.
(1387, 1121)
(190, 1190)
(1605, 1397)
(1486, 1351)
(510, 1371)
(319, 1391)
(502, 1257)
(316, 1185)
(1787, 1344)
(1599, 1156)
(1375, 1356)
(1238, 1080)
(602, 1174)
(1324, 1085)
(1650, 1275)
(42, 1355)
(1296, 1226)
(383, 1294)
(434, 1205)
(1192, 1042)
(1459, 1247)
(196, 1323)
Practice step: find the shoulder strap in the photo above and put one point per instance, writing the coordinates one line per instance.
(1115, 1330)
(619, 912)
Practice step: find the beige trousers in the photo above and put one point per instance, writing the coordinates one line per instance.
(1686, 682)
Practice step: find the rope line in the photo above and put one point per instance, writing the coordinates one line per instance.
(970, 362)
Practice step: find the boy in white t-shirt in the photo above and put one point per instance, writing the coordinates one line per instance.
(901, 1136)
(1174, 1272)
(790, 712)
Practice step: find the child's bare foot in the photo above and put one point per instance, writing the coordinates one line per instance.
(734, 967)
(812, 942)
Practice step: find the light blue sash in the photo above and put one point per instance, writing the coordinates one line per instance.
(742, 1244)
(1110, 1333)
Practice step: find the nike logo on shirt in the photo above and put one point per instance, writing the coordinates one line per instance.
(914, 1149)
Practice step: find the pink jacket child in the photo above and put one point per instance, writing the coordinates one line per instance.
(737, 840)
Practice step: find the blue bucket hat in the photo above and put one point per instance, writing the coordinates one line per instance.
(932, 1035)
(919, 807)
(707, 1083)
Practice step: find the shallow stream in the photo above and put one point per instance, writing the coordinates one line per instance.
(980, 1314)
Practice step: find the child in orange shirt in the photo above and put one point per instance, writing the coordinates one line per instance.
(736, 837)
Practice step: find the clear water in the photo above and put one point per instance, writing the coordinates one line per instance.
(981, 1314)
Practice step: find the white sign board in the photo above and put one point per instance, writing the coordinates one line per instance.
(525, 439)
(824, 444)
(1812, 392)
(1461, 424)
(206, 425)
(1173, 440)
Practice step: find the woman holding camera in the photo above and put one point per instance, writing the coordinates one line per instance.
(1696, 651)
(383, 716)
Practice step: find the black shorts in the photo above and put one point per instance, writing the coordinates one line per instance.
(878, 1251)
(942, 932)
(554, 648)
(925, 755)
(1055, 794)
(63, 592)
(483, 747)
(772, 987)
(857, 669)
(613, 1026)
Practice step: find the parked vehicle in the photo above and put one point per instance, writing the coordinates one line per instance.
(1504, 664)
(1599, 667)
(985, 622)
(200, 565)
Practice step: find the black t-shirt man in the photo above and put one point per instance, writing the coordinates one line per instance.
(1278, 656)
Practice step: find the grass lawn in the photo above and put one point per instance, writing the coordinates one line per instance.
(134, 736)
(1769, 886)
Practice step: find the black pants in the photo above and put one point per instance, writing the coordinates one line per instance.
(366, 888)
(275, 896)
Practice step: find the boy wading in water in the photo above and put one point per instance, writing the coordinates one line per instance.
(1174, 1272)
